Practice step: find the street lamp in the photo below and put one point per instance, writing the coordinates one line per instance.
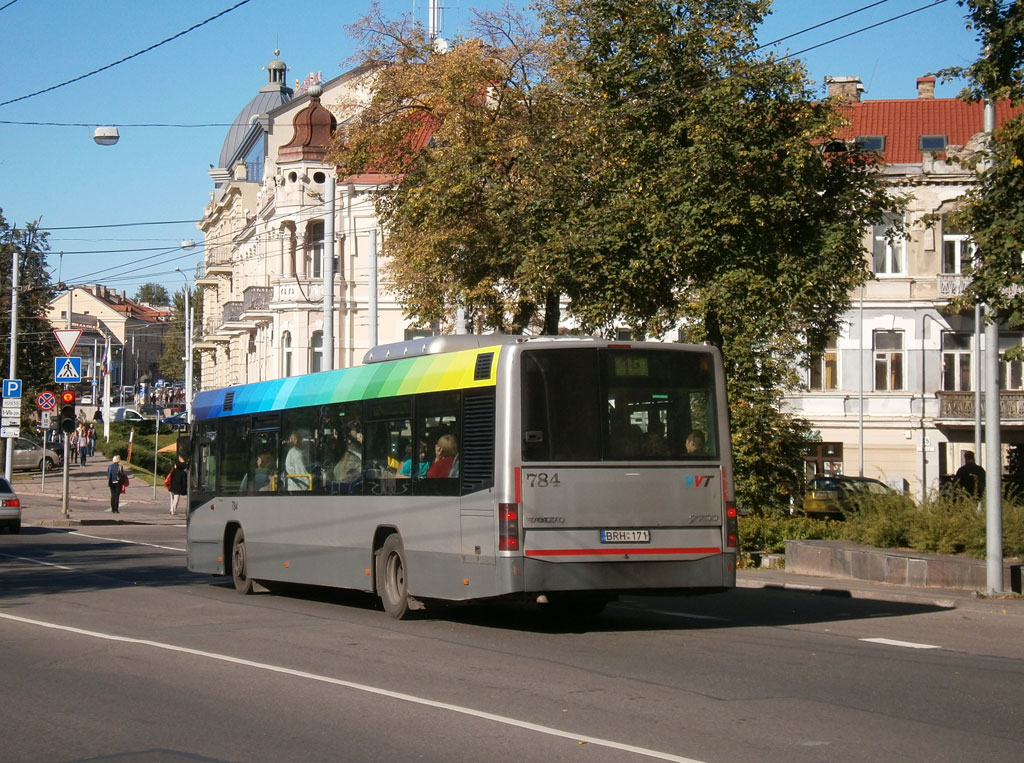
(188, 351)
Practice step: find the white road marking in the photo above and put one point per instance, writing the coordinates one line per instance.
(122, 540)
(907, 644)
(363, 688)
(39, 561)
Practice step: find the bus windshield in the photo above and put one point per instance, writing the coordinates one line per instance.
(616, 405)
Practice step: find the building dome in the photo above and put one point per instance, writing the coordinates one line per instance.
(269, 97)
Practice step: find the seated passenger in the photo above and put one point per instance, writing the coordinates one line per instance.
(422, 462)
(349, 466)
(695, 443)
(444, 456)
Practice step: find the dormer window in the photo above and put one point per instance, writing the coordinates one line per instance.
(871, 142)
(933, 142)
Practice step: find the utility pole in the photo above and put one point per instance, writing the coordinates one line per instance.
(13, 363)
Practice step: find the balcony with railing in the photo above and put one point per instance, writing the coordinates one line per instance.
(956, 409)
(256, 301)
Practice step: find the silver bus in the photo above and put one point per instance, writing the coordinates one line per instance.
(456, 468)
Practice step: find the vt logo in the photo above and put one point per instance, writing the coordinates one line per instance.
(698, 480)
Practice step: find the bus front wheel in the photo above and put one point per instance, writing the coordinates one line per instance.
(392, 584)
(239, 568)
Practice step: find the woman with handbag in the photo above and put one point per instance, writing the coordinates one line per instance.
(177, 483)
(116, 479)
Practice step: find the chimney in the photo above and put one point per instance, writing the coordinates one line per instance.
(926, 88)
(844, 88)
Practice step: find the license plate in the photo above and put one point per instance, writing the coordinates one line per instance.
(625, 536)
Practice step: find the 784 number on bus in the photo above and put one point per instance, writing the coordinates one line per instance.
(542, 479)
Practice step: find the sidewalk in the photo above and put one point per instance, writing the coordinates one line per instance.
(90, 498)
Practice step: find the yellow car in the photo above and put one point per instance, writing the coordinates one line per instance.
(833, 497)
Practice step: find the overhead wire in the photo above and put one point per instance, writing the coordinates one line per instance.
(126, 58)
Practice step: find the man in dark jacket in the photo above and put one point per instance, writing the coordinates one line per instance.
(970, 477)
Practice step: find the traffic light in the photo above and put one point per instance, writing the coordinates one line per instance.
(68, 422)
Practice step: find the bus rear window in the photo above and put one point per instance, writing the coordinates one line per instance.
(618, 405)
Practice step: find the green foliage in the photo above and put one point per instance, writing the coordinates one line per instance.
(994, 213)
(36, 347)
(142, 447)
(945, 524)
(152, 294)
(171, 361)
(769, 534)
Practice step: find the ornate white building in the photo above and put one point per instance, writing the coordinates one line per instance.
(267, 228)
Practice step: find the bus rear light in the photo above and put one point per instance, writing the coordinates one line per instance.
(508, 526)
(11, 503)
(732, 532)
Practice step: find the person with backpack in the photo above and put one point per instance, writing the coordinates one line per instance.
(177, 483)
(116, 478)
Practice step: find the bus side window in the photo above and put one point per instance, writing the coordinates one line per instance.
(438, 426)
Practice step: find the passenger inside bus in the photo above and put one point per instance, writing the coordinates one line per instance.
(296, 473)
(422, 461)
(349, 466)
(445, 453)
(695, 443)
(263, 475)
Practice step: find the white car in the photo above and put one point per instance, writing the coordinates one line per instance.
(10, 508)
(30, 455)
(127, 414)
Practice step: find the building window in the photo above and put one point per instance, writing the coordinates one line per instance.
(418, 333)
(315, 248)
(624, 335)
(956, 362)
(957, 250)
(933, 142)
(824, 368)
(871, 142)
(316, 352)
(286, 354)
(1011, 371)
(888, 361)
(889, 247)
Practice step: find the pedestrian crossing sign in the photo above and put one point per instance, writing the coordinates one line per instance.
(67, 370)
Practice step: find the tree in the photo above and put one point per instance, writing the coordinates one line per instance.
(36, 344)
(172, 359)
(463, 133)
(994, 209)
(643, 162)
(152, 294)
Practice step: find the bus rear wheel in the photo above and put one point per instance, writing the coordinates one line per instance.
(239, 567)
(392, 584)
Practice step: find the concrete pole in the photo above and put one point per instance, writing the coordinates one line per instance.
(977, 380)
(328, 270)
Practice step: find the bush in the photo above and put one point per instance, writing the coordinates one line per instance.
(882, 521)
(142, 447)
(949, 524)
(768, 535)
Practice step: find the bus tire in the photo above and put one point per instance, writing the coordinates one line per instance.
(392, 580)
(239, 566)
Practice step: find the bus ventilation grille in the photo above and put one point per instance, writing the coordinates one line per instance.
(482, 372)
(478, 441)
(229, 401)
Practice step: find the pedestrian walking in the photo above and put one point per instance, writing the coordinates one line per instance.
(92, 440)
(970, 477)
(83, 445)
(177, 483)
(115, 479)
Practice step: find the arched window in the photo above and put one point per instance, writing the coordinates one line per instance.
(286, 354)
(316, 352)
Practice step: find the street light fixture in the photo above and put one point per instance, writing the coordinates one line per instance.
(188, 351)
(106, 136)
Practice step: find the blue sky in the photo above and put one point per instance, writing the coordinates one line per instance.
(204, 77)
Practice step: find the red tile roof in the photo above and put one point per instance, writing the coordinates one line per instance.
(903, 122)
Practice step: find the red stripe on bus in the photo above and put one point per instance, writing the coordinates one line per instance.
(620, 550)
(519, 484)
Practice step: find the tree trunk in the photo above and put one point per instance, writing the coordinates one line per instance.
(552, 312)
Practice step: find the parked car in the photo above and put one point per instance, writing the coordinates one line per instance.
(10, 507)
(176, 421)
(833, 497)
(31, 455)
(127, 414)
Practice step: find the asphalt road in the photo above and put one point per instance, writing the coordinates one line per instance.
(109, 649)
